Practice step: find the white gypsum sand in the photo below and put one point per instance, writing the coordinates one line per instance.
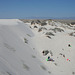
(21, 48)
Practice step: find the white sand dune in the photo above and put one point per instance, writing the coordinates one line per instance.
(21, 48)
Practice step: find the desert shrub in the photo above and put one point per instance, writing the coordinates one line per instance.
(49, 72)
(29, 35)
(26, 67)
(73, 73)
(72, 23)
(44, 28)
(35, 27)
(38, 21)
(72, 34)
(51, 53)
(63, 55)
(45, 52)
(32, 22)
(43, 23)
(57, 29)
(40, 29)
(60, 54)
(26, 41)
(55, 64)
(33, 48)
(48, 37)
(49, 33)
(43, 67)
(9, 73)
(33, 56)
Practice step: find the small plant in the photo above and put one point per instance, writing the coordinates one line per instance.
(51, 53)
(49, 72)
(45, 52)
(29, 35)
(72, 23)
(33, 48)
(72, 34)
(32, 22)
(33, 56)
(57, 29)
(49, 33)
(35, 27)
(55, 64)
(60, 54)
(43, 67)
(48, 37)
(63, 55)
(42, 24)
(26, 41)
(9, 73)
(73, 73)
(26, 67)
(40, 29)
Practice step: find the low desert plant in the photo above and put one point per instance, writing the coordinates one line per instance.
(9, 73)
(49, 72)
(42, 24)
(51, 53)
(57, 30)
(48, 37)
(33, 56)
(49, 33)
(73, 73)
(45, 52)
(43, 67)
(29, 35)
(32, 22)
(26, 41)
(35, 27)
(40, 29)
(26, 67)
(73, 23)
(72, 34)
(55, 64)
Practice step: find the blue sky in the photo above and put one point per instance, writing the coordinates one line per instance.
(37, 8)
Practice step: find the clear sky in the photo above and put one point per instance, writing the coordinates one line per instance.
(37, 8)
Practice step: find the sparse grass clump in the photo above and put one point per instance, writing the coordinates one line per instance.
(49, 72)
(55, 64)
(43, 67)
(42, 24)
(73, 73)
(26, 41)
(57, 30)
(72, 34)
(51, 53)
(33, 56)
(49, 33)
(48, 37)
(35, 27)
(73, 23)
(29, 35)
(9, 73)
(40, 29)
(26, 67)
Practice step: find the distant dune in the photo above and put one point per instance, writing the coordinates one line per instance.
(68, 21)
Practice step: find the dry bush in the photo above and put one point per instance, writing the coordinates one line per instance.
(57, 30)
(51, 53)
(49, 33)
(43, 67)
(26, 41)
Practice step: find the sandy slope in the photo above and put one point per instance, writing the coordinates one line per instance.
(21, 49)
(58, 44)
